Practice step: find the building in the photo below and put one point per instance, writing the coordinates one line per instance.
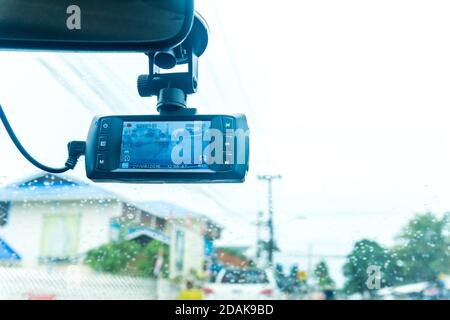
(55, 219)
(189, 234)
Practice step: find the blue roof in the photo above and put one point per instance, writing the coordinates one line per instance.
(52, 187)
(7, 253)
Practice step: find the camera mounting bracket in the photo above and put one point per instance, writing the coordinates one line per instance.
(172, 89)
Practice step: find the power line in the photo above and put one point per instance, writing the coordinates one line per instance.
(231, 56)
(64, 82)
(258, 125)
(218, 200)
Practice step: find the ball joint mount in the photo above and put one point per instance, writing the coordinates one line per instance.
(173, 88)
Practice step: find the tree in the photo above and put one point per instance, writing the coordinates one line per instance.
(367, 254)
(422, 248)
(129, 257)
(113, 257)
(322, 274)
(147, 259)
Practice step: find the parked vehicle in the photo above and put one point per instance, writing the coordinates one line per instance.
(242, 284)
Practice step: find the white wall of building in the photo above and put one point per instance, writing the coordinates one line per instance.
(24, 229)
(193, 249)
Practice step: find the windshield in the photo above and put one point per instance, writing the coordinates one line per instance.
(347, 192)
(245, 277)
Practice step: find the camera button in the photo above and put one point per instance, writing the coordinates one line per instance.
(105, 125)
(228, 123)
(103, 143)
(229, 142)
(101, 162)
(229, 158)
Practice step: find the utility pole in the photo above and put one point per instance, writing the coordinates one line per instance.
(269, 179)
(259, 223)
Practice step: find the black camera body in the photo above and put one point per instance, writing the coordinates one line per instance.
(168, 149)
(178, 145)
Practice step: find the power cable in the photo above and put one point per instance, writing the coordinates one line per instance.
(76, 149)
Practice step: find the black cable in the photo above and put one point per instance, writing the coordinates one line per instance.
(76, 149)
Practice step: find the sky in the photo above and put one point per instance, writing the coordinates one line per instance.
(347, 100)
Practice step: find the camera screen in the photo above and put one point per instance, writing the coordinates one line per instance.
(161, 145)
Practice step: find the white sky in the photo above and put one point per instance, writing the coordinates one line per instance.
(348, 100)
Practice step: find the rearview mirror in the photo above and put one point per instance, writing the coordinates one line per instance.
(100, 25)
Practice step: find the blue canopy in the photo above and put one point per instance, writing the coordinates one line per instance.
(7, 253)
(133, 233)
